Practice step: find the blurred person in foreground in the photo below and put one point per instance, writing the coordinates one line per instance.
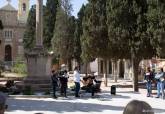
(138, 107)
(3, 105)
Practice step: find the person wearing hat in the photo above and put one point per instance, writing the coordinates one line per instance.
(3, 105)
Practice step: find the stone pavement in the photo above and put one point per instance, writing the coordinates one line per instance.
(103, 103)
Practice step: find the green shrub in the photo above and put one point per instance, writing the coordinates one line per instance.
(28, 90)
(19, 67)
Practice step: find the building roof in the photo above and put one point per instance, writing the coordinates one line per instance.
(8, 7)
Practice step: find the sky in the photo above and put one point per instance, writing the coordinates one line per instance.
(76, 4)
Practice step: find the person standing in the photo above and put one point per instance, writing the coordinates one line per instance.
(160, 78)
(148, 78)
(54, 79)
(64, 82)
(77, 81)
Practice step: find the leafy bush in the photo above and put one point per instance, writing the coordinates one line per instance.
(19, 67)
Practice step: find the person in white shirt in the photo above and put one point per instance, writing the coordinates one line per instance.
(77, 81)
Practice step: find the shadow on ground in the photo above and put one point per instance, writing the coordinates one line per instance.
(58, 106)
(67, 105)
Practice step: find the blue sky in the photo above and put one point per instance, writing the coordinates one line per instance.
(76, 4)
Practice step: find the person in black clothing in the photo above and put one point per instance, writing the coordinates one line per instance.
(54, 79)
(148, 77)
(64, 82)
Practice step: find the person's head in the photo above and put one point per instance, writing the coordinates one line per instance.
(3, 105)
(76, 68)
(53, 71)
(148, 69)
(161, 69)
(138, 107)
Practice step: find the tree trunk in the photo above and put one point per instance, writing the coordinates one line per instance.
(79, 64)
(115, 70)
(69, 64)
(135, 66)
(86, 68)
(105, 73)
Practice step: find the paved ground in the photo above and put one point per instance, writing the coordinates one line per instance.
(103, 103)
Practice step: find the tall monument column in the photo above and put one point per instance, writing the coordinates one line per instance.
(38, 59)
(39, 23)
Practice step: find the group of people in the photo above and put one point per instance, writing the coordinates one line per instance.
(59, 79)
(62, 77)
(152, 77)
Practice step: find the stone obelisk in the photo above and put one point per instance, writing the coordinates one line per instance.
(39, 23)
(38, 59)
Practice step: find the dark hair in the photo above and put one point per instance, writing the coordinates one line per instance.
(76, 68)
(138, 107)
(148, 69)
(161, 69)
(53, 71)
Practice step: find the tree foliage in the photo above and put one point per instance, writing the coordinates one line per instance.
(77, 34)
(29, 35)
(63, 39)
(95, 36)
(156, 26)
(127, 26)
(49, 18)
(49, 21)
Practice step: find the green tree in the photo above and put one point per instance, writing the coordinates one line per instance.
(156, 26)
(29, 35)
(49, 21)
(95, 35)
(95, 42)
(63, 39)
(78, 33)
(127, 28)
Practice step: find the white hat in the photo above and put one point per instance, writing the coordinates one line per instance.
(63, 65)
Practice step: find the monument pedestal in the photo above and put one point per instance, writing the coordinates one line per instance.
(38, 59)
(39, 69)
